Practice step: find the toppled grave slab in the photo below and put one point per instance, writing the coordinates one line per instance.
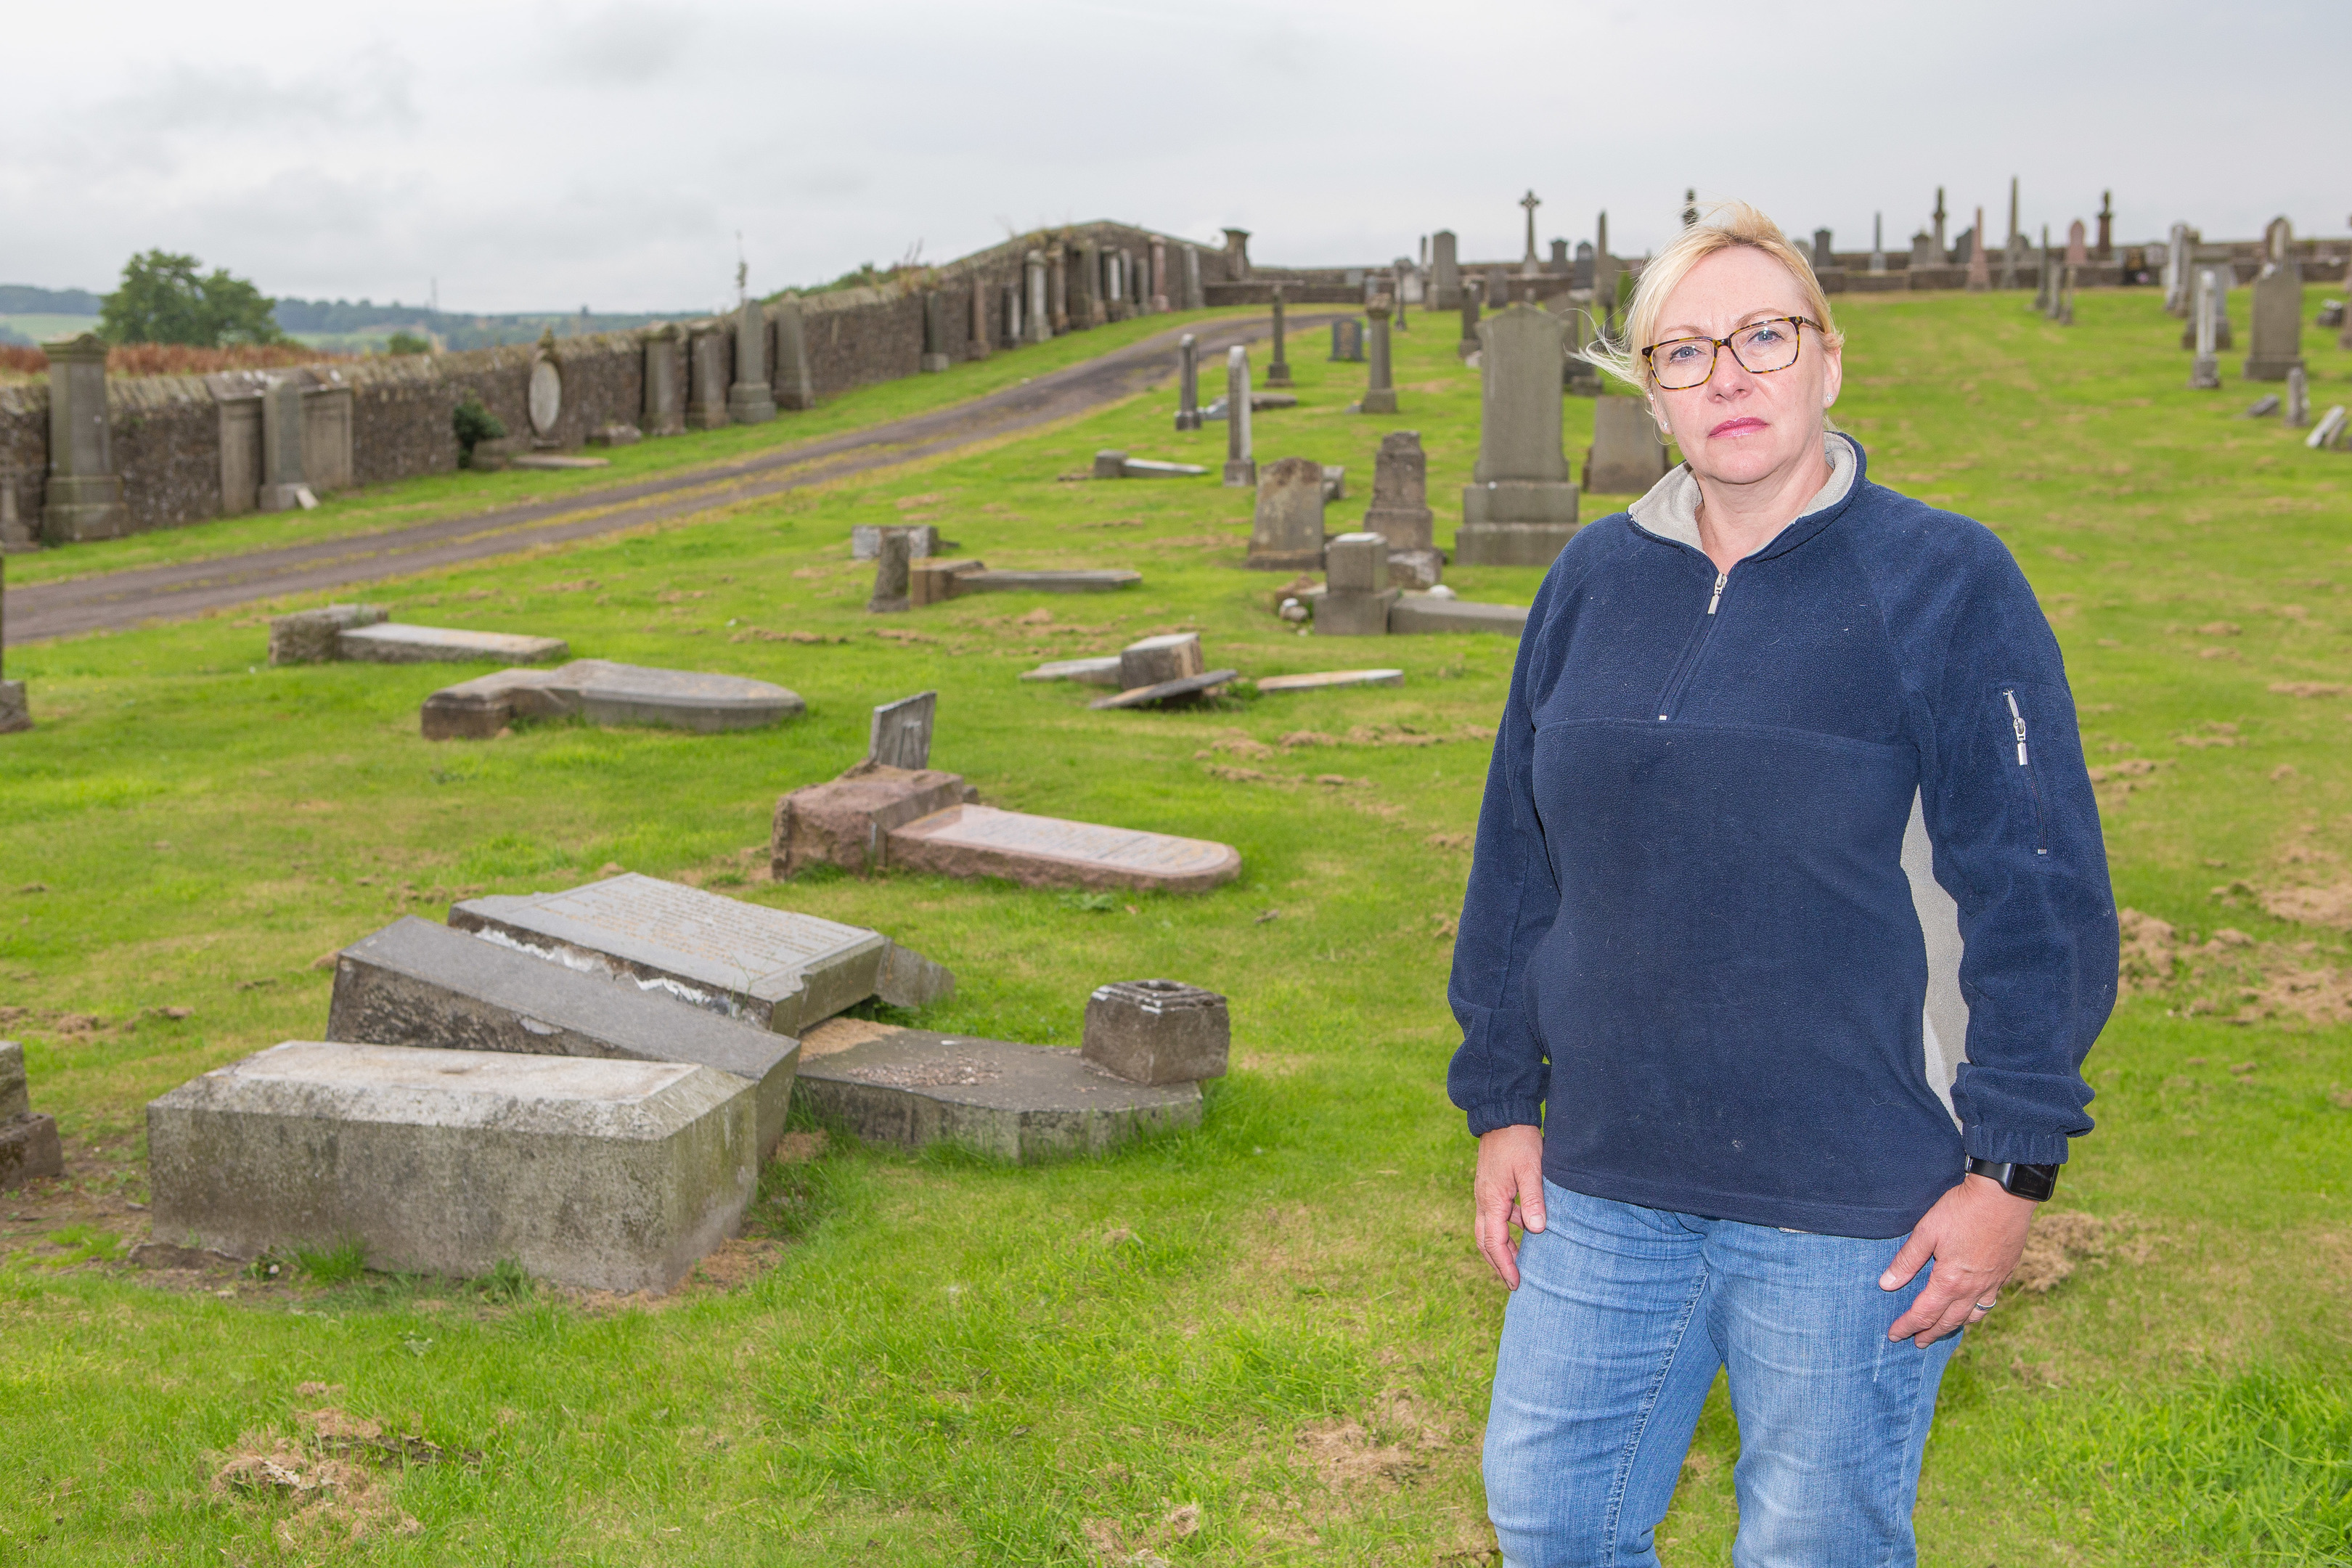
(606, 1174)
(846, 821)
(604, 692)
(1163, 669)
(1185, 686)
(914, 1087)
(417, 984)
(308, 636)
(28, 1140)
(935, 581)
(1330, 680)
(395, 642)
(774, 968)
(923, 539)
(1435, 613)
(1102, 671)
(1111, 464)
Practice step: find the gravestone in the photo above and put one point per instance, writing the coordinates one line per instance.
(1035, 316)
(901, 733)
(795, 386)
(1286, 525)
(1184, 688)
(1825, 253)
(2205, 371)
(1157, 1031)
(2298, 397)
(891, 559)
(708, 365)
(543, 394)
(1520, 507)
(1172, 656)
(1278, 371)
(1347, 341)
(83, 498)
(1357, 596)
(16, 713)
(308, 636)
(2328, 431)
(1083, 279)
(1499, 287)
(1379, 392)
(602, 1174)
(1159, 276)
(2274, 341)
(751, 400)
(2179, 287)
(1980, 269)
(2078, 246)
(1057, 289)
(1923, 251)
(2263, 407)
(1329, 680)
(843, 822)
(29, 1149)
(978, 347)
(599, 691)
(1241, 465)
(1013, 333)
(1154, 468)
(935, 581)
(1626, 457)
(417, 984)
(1434, 612)
(1100, 670)
(1047, 852)
(1445, 271)
(934, 359)
(1188, 382)
(282, 487)
(1878, 242)
(395, 642)
(914, 1088)
(1194, 298)
(1470, 302)
(865, 540)
(1400, 511)
(774, 968)
(2221, 278)
(1605, 277)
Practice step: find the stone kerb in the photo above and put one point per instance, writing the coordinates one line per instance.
(1520, 507)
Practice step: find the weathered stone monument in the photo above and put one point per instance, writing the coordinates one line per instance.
(795, 386)
(1627, 456)
(1499, 287)
(709, 362)
(1036, 322)
(2078, 247)
(1347, 341)
(28, 1140)
(599, 691)
(282, 487)
(1445, 271)
(1157, 1031)
(1277, 370)
(2298, 397)
(2179, 287)
(892, 560)
(663, 411)
(1057, 292)
(1188, 382)
(750, 399)
(1520, 507)
(1468, 344)
(1379, 392)
(2205, 371)
(2274, 341)
(1400, 511)
(1194, 298)
(1240, 466)
(1159, 276)
(2218, 277)
(902, 733)
(1357, 594)
(1287, 528)
(84, 498)
(1979, 267)
(934, 359)
(978, 346)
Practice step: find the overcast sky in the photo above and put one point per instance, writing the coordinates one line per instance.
(546, 156)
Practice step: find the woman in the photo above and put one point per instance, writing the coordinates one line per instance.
(1788, 930)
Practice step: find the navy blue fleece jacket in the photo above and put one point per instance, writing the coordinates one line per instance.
(1789, 887)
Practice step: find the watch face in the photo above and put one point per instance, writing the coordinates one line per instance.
(2034, 1182)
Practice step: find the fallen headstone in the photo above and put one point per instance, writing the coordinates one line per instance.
(602, 692)
(912, 1087)
(902, 733)
(2263, 407)
(1170, 657)
(1329, 680)
(1049, 852)
(417, 984)
(308, 636)
(393, 642)
(1099, 671)
(934, 582)
(1357, 596)
(29, 1139)
(922, 539)
(1430, 613)
(1154, 468)
(602, 1175)
(2326, 433)
(1181, 688)
(845, 821)
(1157, 1031)
(774, 968)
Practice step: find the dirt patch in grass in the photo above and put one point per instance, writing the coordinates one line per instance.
(329, 1483)
(2329, 904)
(2064, 1239)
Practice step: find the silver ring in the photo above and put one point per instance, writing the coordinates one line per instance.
(1988, 1306)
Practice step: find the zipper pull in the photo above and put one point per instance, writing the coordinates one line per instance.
(2017, 723)
(1720, 579)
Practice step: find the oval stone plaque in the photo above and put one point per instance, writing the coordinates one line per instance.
(546, 395)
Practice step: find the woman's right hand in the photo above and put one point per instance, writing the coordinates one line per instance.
(1510, 1178)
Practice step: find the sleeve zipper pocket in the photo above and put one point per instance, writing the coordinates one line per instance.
(2025, 765)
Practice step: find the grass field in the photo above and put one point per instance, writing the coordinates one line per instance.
(1267, 1341)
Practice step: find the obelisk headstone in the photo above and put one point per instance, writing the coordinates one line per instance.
(1241, 467)
(84, 498)
(1277, 370)
(1188, 382)
(1520, 507)
(1379, 392)
(1878, 242)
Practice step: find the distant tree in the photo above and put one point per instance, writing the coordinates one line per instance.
(164, 298)
(407, 343)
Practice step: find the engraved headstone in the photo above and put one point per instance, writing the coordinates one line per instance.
(2078, 247)
(545, 396)
(396, 642)
(709, 362)
(1445, 271)
(1520, 507)
(1400, 511)
(1044, 851)
(891, 559)
(83, 495)
(901, 735)
(1241, 464)
(2274, 341)
(601, 691)
(1286, 525)
(775, 968)
(1347, 341)
(2205, 371)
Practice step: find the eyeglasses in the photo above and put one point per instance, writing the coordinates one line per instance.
(1761, 348)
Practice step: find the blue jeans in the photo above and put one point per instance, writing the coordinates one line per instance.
(1612, 1340)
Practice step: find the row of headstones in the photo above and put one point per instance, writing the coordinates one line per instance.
(2201, 291)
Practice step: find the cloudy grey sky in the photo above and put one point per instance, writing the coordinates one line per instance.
(544, 156)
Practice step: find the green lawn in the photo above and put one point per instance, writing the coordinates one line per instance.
(1264, 1341)
(436, 495)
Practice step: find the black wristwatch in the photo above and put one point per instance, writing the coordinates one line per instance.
(2033, 1183)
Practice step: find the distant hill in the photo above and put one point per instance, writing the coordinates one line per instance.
(23, 299)
(347, 325)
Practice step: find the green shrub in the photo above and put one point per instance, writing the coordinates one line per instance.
(407, 343)
(474, 423)
(337, 1265)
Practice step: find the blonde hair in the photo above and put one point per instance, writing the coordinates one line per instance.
(1723, 226)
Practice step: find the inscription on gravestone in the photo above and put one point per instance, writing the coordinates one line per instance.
(979, 840)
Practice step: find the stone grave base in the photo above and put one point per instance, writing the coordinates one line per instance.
(604, 692)
(935, 581)
(417, 984)
(29, 1149)
(845, 821)
(1354, 615)
(1285, 560)
(910, 1088)
(16, 713)
(750, 402)
(1101, 671)
(612, 1176)
(309, 636)
(1330, 679)
(1511, 543)
(1426, 613)
(392, 642)
(1417, 568)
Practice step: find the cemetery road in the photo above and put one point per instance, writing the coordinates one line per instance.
(112, 600)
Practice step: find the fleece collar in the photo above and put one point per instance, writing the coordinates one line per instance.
(1671, 508)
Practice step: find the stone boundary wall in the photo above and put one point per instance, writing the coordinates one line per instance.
(187, 448)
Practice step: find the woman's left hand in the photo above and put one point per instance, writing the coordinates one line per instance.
(1976, 1234)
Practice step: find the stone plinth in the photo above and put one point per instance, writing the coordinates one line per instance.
(1429, 613)
(417, 984)
(83, 498)
(612, 1175)
(1357, 596)
(395, 642)
(1626, 457)
(1379, 392)
(28, 1140)
(1048, 852)
(602, 692)
(913, 1088)
(1170, 656)
(796, 387)
(779, 970)
(846, 821)
(1520, 507)
(751, 400)
(309, 636)
(1287, 528)
(1157, 1031)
